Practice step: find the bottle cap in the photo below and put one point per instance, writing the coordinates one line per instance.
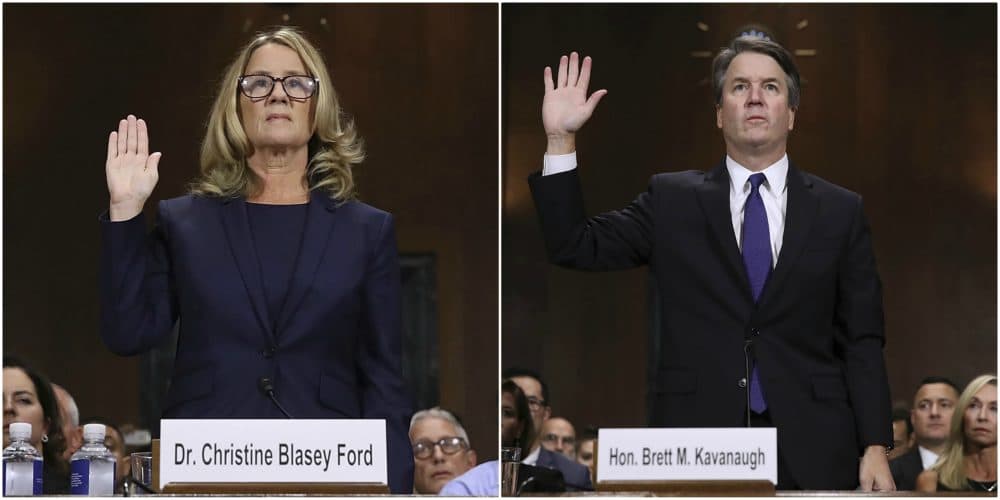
(20, 431)
(93, 431)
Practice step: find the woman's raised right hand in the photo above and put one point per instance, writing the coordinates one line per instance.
(131, 170)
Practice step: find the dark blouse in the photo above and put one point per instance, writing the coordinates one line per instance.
(276, 255)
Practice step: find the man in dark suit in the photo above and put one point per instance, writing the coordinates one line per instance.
(576, 476)
(933, 408)
(771, 300)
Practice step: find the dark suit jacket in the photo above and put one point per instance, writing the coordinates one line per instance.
(905, 469)
(576, 476)
(816, 332)
(333, 352)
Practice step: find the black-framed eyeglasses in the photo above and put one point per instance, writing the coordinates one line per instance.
(299, 87)
(449, 446)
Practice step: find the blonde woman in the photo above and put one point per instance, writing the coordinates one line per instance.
(969, 463)
(287, 289)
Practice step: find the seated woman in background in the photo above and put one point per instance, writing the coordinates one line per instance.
(517, 429)
(28, 397)
(970, 461)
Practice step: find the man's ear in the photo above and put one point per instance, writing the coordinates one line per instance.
(718, 116)
(471, 457)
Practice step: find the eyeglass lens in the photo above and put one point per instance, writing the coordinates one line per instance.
(297, 87)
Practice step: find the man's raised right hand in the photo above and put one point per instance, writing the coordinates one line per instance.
(131, 170)
(566, 106)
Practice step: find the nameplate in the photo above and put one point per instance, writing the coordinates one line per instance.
(684, 454)
(272, 451)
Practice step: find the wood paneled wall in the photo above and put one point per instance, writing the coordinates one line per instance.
(421, 81)
(899, 105)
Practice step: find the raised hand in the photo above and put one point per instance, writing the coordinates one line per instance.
(566, 106)
(132, 172)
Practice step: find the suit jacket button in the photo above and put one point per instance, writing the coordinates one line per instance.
(742, 383)
(267, 353)
(755, 332)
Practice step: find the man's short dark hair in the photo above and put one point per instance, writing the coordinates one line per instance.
(761, 46)
(524, 372)
(938, 380)
(904, 415)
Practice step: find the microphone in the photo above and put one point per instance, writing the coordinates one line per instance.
(267, 387)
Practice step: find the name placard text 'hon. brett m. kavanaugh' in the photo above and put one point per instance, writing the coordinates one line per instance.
(272, 451)
(687, 454)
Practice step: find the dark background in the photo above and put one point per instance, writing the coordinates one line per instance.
(898, 104)
(421, 81)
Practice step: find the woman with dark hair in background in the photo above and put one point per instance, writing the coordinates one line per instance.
(286, 287)
(28, 397)
(517, 429)
(969, 463)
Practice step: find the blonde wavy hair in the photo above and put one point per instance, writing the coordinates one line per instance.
(334, 147)
(951, 466)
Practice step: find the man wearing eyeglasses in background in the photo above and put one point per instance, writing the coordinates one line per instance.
(576, 476)
(441, 450)
(558, 435)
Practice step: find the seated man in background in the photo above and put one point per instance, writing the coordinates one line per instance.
(902, 433)
(933, 406)
(558, 435)
(585, 451)
(575, 475)
(441, 450)
(71, 420)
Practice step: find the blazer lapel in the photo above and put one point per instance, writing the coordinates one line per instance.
(237, 227)
(713, 195)
(799, 216)
(320, 223)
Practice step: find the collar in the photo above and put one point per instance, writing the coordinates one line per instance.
(775, 173)
(532, 458)
(927, 457)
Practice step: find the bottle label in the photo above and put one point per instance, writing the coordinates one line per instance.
(22, 478)
(37, 490)
(94, 477)
(79, 477)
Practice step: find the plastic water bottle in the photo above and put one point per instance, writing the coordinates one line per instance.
(22, 464)
(92, 469)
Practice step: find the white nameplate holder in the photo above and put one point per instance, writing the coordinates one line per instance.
(272, 451)
(687, 454)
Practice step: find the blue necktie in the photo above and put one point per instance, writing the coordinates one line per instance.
(757, 259)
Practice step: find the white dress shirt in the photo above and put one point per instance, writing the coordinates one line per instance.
(773, 192)
(532, 457)
(927, 457)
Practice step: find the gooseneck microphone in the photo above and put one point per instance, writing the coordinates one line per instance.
(267, 387)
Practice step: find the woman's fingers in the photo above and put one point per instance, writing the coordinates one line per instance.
(563, 62)
(131, 142)
(122, 135)
(547, 77)
(112, 145)
(142, 137)
(153, 162)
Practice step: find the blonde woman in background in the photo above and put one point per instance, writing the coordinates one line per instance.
(286, 287)
(969, 463)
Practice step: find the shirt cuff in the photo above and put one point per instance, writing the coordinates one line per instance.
(557, 164)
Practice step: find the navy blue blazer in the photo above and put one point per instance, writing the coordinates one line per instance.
(576, 476)
(334, 351)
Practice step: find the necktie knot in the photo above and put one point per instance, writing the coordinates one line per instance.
(756, 180)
